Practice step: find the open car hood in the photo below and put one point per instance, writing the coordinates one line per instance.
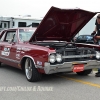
(61, 24)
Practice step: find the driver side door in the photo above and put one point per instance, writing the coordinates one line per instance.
(7, 49)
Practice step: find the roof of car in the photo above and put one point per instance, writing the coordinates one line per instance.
(21, 28)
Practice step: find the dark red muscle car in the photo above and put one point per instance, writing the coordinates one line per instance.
(48, 49)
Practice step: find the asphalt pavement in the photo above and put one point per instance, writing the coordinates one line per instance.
(66, 86)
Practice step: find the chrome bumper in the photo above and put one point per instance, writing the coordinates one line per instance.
(68, 66)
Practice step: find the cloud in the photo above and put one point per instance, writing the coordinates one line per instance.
(40, 7)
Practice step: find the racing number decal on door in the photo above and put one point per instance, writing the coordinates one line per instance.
(6, 51)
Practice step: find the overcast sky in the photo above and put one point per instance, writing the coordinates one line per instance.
(38, 8)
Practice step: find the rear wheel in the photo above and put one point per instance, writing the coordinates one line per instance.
(0, 64)
(31, 72)
(85, 72)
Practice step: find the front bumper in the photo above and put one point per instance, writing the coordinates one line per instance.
(68, 66)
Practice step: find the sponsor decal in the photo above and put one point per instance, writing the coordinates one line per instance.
(18, 49)
(17, 55)
(78, 68)
(26, 49)
(6, 51)
(23, 48)
(22, 52)
(39, 63)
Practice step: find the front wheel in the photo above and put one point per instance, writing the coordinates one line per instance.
(85, 72)
(31, 72)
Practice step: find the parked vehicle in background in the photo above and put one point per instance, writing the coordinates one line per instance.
(18, 21)
(48, 49)
(85, 39)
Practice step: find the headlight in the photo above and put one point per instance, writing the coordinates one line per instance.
(97, 55)
(58, 57)
(52, 58)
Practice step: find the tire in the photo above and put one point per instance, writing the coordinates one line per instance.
(0, 64)
(31, 72)
(85, 72)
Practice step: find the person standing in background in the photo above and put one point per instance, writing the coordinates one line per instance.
(96, 35)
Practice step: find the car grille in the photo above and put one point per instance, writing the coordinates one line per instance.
(75, 53)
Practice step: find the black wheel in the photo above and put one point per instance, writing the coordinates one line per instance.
(85, 72)
(31, 72)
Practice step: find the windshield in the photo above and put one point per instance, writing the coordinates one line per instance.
(25, 34)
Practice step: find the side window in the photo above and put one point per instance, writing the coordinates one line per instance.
(3, 36)
(15, 38)
(11, 35)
